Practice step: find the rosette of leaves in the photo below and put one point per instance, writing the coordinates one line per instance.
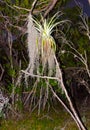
(41, 44)
(41, 52)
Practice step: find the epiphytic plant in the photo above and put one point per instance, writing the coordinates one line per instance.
(41, 47)
(41, 44)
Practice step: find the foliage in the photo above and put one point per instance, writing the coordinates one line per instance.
(13, 54)
(43, 45)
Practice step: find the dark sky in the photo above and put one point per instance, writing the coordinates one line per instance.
(84, 3)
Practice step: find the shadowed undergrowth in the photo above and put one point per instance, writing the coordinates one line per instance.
(57, 119)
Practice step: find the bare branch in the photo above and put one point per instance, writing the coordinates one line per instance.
(2, 72)
(63, 104)
(21, 8)
(38, 76)
(33, 6)
(50, 7)
(3, 2)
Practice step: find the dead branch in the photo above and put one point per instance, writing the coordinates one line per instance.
(63, 104)
(33, 6)
(3, 2)
(38, 76)
(77, 119)
(21, 8)
(50, 7)
(2, 72)
(60, 79)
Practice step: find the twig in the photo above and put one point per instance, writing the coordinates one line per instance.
(46, 116)
(38, 76)
(14, 112)
(2, 72)
(29, 10)
(33, 6)
(8, 5)
(21, 8)
(51, 6)
(32, 91)
(81, 58)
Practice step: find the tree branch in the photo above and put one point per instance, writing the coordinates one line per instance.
(1, 72)
(50, 7)
(33, 6)
(38, 76)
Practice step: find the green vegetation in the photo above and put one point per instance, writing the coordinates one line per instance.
(68, 43)
(45, 121)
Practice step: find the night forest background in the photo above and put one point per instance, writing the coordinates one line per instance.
(26, 101)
